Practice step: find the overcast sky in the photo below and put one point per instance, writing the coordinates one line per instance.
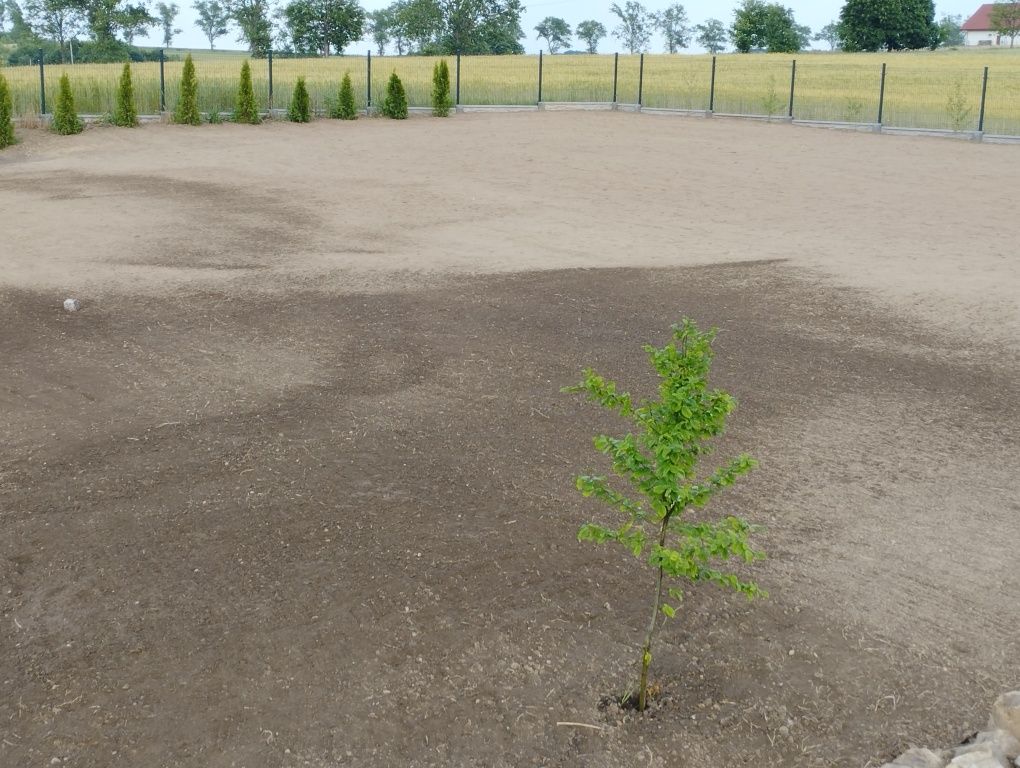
(814, 13)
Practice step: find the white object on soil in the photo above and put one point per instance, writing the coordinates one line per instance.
(72, 305)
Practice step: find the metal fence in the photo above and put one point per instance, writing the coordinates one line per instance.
(911, 94)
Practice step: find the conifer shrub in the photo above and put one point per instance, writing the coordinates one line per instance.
(6, 110)
(186, 111)
(125, 115)
(299, 111)
(441, 101)
(395, 104)
(344, 109)
(65, 116)
(246, 110)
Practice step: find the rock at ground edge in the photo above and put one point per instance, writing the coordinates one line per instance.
(1003, 741)
(918, 758)
(1006, 713)
(980, 756)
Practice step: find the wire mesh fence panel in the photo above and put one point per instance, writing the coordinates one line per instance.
(837, 92)
(23, 83)
(219, 79)
(580, 78)
(758, 86)
(323, 77)
(415, 73)
(1002, 105)
(677, 82)
(95, 86)
(942, 99)
(489, 80)
(628, 79)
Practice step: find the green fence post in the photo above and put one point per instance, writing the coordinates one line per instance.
(641, 79)
(793, 85)
(711, 89)
(984, 94)
(42, 84)
(616, 74)
(540, 77)
(881, 96)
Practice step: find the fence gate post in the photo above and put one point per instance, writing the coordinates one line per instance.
(42, 84)
(369, 110)
(711, 89)
(641, 79)
(984, 94)
(616, 74)
(793, 85)
(458, 80)
(881, 96)
(162, 82)
(270, 82)
(540, 77)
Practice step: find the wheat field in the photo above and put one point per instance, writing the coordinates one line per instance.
(935, 90)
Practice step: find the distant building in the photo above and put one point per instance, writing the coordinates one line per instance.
(978, 29)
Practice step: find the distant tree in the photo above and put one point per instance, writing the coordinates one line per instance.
(447, 27)
(167, 14)
(758, 25)
(420, 23)
(636, 24)
(246, 109)
(672, 22)
(556, 33)
(712, 36)
(803, 32)
(186, 111)
(125, 115)
(108, 18)
(65, 116)
(950, 33)
(133, 21)
(323, 26)
(873, 25)
(591, 32)
(828, 34)
(252, 19)
(213, 18)
(55, 20)
(6, 113)
(379, 24)
(1005, 19)
(395, 104)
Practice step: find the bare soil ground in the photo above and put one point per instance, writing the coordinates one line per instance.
(295, 488)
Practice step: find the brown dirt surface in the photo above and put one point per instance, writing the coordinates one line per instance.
(295, 487)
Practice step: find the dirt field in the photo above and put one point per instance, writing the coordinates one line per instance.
(295, 489)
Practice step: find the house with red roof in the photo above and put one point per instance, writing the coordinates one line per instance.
(979, 30)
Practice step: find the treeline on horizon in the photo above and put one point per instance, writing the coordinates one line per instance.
(105, 30)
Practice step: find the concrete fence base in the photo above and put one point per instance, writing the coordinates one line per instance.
(44, 121)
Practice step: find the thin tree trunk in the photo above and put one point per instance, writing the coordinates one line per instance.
(646, 651)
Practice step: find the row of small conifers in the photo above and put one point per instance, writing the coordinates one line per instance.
(246, 110)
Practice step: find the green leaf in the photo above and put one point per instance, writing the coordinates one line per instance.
(668, 610)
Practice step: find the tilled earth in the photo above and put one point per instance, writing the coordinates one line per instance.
(376, 564)
(260, 507)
